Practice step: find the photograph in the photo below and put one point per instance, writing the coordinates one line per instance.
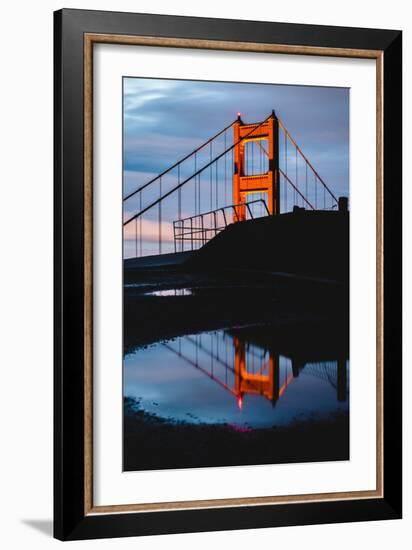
(236, 207)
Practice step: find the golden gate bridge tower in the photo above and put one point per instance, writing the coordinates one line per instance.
(266, 183)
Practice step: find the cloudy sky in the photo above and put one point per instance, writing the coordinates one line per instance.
(166, 119)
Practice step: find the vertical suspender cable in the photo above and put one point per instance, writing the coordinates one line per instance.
(179, 209)
(296, 197)
(216, 185)
(198, 194)
(225, 176)
(160, 216)
(136, 238)
(211, 177)
(140, 232)
(195, 185)
(306, 181)
(286, 172)
(179, 195)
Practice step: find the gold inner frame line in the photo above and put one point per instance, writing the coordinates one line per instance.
(89, 40)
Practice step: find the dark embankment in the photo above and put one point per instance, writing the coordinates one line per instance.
(311, 243)
(146, 438)
(233, 298)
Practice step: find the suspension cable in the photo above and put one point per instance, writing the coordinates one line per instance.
(127, 197)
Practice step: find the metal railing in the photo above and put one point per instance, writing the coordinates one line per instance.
(199, 229)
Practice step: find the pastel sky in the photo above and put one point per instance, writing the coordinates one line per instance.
(166, 119)
(175, 116)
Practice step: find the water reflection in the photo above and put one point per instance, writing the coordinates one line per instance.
(171, 292)
(240, 376)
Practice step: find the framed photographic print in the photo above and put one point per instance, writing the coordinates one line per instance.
(227, 274)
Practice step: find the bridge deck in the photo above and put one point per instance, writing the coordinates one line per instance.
(157, 261)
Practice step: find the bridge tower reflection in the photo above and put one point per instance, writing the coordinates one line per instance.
(244, 366)
(263, 380)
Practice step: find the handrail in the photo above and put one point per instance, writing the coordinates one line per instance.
(224, 208)
(185, 230)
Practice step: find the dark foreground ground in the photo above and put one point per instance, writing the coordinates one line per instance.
(305, 317)
(224, 298)
(153, 443)
(248, 275)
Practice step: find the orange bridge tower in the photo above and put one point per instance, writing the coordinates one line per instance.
(245, 184)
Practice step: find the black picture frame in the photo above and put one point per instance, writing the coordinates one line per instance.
(71, 522)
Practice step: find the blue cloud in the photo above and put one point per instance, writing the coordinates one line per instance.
(166, 119)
